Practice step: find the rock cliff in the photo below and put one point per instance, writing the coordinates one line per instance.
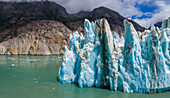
(42, 37)
(14, 15)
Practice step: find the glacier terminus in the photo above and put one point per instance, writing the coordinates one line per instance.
(137, 62)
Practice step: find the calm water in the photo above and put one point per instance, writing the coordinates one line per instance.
(36, 77)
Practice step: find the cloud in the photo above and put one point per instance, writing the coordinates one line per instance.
(126, 8)
(162, 13)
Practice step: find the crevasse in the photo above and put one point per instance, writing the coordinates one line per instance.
(137, 62)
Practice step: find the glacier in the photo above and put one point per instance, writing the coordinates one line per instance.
(138, 62)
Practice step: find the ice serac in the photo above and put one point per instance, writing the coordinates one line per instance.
(130, 74)
(95, 55)
(138, 62)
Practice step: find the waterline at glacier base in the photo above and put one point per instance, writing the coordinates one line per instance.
(137, 62)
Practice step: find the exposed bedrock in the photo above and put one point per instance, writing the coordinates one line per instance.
(43, 37)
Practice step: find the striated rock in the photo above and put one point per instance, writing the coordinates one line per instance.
(38, 38)
(140, 62)
(14, 15)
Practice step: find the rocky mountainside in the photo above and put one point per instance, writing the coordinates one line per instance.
(114, 18)
(158, 24)
(14, 15)
(41, 37)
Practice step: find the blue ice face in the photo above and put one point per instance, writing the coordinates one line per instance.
(138, 62)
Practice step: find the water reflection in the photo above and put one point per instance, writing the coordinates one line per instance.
(31, 61)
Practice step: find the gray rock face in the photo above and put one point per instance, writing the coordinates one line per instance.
(15, 15)
(114, 18)
(38, 38)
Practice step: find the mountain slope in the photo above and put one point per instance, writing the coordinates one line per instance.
(114, 18)
(14, 15)
(41, 37)
(158, 24)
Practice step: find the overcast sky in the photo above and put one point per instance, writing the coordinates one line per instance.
(144, 12)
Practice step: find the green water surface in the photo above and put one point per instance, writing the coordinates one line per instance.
(26, 76)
